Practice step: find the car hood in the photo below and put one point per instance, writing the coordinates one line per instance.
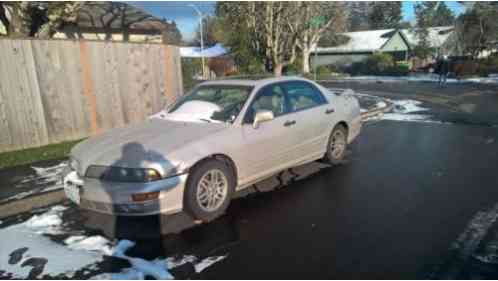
(141, 145)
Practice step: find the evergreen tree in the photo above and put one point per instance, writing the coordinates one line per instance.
(443, 16)
(384, 15)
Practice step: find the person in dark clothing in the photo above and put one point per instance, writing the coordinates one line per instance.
(443, 68)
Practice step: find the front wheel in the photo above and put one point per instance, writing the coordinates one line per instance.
(336, 146)
(209, 189)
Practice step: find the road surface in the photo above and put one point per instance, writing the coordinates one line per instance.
(414, 200)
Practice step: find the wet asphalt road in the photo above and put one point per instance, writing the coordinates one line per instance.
(406, 194)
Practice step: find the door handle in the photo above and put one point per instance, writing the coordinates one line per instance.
(289, 123)
(330, 110)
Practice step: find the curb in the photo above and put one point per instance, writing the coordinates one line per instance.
(32, 202)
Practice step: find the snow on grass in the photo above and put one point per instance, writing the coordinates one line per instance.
(24, 244)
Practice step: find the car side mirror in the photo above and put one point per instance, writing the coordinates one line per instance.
(262, 116)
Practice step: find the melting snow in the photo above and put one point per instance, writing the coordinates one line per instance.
(47, 178)
(25, 247)
(157, 268)
(92, 243)
(381, 104)
(207, 262)
(403, 110)
(423, 78)
(24, 244)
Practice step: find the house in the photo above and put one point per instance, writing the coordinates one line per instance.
(397, 42)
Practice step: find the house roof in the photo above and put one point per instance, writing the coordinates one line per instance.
(195, 52)
(361, 41)
(374, 40)
(437, 35)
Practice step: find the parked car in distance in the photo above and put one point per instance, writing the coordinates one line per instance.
(221, 138)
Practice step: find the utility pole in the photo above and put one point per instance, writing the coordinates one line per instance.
(202, 38)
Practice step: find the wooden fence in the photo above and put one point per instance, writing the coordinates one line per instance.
(60, 90)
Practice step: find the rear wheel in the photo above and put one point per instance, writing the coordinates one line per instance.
(337, 144)
(209, 189)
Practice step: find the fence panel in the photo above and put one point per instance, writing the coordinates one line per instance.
(60, 90)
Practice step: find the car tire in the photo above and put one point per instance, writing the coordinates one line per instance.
(210, 187)
(336, 145)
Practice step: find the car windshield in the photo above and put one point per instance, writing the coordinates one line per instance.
(212, 103)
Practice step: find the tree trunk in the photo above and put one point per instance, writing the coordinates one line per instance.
(306, 61)
(277, 69)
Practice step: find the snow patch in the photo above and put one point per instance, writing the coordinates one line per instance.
(381, 104)
(157, 268)
(92, 243)
(407, 106)
(25, 243)
(45, 178)
(422, 78)
(403, 110)
(207, 262)
(468, 242)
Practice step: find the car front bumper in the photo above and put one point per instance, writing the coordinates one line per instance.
(115, 198)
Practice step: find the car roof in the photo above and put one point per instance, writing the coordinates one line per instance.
(252, 83)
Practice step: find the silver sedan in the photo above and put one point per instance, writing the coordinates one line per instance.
(216, 141)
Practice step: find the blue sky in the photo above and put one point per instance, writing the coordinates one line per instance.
(187, 19)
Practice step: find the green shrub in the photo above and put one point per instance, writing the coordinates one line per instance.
(380, 64)
(190, 67)
(398, 70)
(488, 66)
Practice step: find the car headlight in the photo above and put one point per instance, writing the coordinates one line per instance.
(122, 174)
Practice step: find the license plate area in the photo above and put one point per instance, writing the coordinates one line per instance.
(72, 187)
(73, 192)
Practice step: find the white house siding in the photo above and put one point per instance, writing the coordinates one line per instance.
(338, 59)
(2, 29)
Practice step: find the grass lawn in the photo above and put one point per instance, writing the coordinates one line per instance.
(30, 155)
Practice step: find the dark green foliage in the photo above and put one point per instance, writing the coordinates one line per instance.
(477, 28)
(379, 64)
(190, 68)
(443, 15)
(385, 15)
(488, 66)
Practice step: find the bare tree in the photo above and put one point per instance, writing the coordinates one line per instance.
(309, 23)
(268, 31)
(39, 19)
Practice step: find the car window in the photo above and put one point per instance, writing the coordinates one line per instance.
(269, 98)
(302, 95)
(225, 99)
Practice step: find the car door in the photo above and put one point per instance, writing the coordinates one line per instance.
(311, 112)
(269, 147)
